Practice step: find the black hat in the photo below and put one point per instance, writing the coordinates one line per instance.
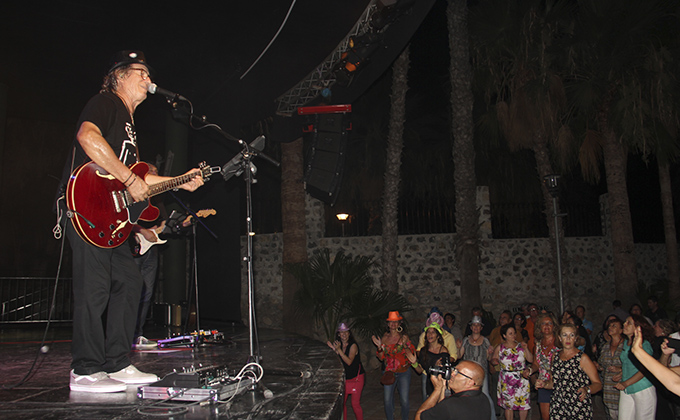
(123, 58)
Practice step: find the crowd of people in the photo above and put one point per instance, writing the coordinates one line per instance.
(563, 361)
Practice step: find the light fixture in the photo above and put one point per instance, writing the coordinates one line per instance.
(342, 217)
(551, 183)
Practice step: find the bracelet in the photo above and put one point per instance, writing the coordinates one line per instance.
(133, 181)
(414, 365)
(128, 178)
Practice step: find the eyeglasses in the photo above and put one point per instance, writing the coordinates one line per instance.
(142, 72)
(457, 372)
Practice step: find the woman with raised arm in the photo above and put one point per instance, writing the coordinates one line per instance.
(429, 355)
(669, 377)
(545, 335)
(392, 349)
(637, 399)
(347, 348)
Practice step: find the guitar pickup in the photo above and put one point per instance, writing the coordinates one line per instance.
(116, 205)
(120, 201)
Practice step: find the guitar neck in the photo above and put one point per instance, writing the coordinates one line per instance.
(169, 184)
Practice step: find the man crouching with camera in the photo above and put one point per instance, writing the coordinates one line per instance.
(466, 402)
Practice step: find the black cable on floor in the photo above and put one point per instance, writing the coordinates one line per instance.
(42, 348)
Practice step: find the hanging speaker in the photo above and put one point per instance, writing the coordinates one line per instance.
(326, 158)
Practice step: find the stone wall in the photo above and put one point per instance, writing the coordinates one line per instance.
(512, 271)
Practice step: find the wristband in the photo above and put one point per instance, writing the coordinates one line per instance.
(414, 365)
(128, 178)
(133, 181)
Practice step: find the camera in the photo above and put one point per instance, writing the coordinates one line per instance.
(674, 343)
(444, 370)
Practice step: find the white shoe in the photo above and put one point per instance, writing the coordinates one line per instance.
(96, 382)
(132, 375)
(143, 343)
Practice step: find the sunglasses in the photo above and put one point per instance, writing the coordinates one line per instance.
(457, 372)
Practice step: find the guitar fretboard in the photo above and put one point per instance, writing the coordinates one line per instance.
(162, 187)
(123, 198)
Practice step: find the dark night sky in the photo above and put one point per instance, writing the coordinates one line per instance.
(55, 53)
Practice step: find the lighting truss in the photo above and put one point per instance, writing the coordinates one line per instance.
(324, 75)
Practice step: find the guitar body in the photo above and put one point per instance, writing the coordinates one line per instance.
(103, 211)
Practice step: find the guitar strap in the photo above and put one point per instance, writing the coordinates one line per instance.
(60, 205)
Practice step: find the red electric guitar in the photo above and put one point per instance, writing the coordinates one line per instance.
(102, 210)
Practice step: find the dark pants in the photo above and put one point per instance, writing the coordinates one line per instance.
(103, 280)
(148, 267)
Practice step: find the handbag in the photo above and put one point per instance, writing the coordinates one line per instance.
(387, 378)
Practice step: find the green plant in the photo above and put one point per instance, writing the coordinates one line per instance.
(370, 311)
(339, 289)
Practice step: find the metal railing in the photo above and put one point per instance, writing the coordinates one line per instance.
(528, 220)
(508, 220)
(28, 299)
(414, 217)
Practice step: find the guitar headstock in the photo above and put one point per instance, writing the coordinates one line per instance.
(207, 170)
(206, 212)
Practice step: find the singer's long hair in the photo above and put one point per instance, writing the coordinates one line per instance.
(110, 83)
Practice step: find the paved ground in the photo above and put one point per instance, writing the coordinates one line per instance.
(372, 401)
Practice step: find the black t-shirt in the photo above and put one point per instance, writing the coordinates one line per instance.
(108, 112)
(467, 405)
(353, 370)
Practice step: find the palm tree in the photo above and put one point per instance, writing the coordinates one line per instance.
(610, 52)
(648, 115)
(515, 69)
(294, 232)
(463, 151)
(670, 233)
(395, 141)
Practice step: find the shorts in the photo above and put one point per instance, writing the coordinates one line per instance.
(544, 395)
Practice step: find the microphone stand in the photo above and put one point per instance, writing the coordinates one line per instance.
(240, 164)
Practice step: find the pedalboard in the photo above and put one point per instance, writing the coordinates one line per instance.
(211, 383)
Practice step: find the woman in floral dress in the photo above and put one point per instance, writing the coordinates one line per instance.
(575, 378)
(513, 387)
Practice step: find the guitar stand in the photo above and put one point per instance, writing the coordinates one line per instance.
(195, 260)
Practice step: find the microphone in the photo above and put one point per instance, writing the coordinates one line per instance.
(153, 89)
(234, 167)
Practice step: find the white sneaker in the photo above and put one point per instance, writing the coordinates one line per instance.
(96, 382)
(132, 375)
(143, 343)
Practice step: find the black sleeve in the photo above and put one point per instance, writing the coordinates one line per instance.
(100, 111)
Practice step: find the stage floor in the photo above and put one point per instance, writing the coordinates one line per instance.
(304, 376)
